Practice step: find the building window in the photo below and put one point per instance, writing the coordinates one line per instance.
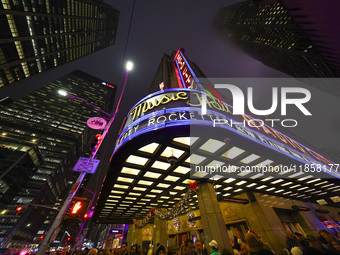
(6, 4)
(3, 187)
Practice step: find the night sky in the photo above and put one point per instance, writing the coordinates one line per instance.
(160, 27)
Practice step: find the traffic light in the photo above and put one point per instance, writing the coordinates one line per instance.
(68, 239)
(79, 207)
(86, 215)
(96, 142)
(41, 237)
(18, 210)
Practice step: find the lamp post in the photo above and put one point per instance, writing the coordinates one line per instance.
(45, 243)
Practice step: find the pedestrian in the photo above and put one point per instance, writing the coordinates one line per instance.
(160, 250)
(134, 250)
(199, 248)
(291, 240)
(243, 250)
(296, 251)
(326, 238)
(93, 251)
(226, 252)
(336, 246)
(213, 244)
(181, 250)
(107, 251)
(236, 246)
(189, 247)
(123, 249)
(167, 251)
(255, 246)
(150, 249)
(301, 240)
(315, 246)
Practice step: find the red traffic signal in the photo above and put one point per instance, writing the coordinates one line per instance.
(18, 210)
(96, 142)
(69, 238)
(86, 215)
(41, 237)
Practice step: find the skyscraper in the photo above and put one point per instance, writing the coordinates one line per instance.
(280, 35)
(39, 35)
(55, 127)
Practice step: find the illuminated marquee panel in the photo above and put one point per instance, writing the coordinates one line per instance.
(175, 107)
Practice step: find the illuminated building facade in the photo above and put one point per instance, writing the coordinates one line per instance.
(165, 143)
(55, 127)
(39, 35)
(295, 37)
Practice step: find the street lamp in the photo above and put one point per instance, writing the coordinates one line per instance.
(60, 216)
(129, 66)
(62, 92)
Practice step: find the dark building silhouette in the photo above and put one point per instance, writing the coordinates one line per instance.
(42, 135)
(299, 38)
(40, 35)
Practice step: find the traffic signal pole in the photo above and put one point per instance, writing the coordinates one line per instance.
(46, 241)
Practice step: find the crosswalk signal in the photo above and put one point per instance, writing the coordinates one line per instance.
(79, 207)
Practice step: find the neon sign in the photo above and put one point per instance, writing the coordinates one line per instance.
(147, 105)
(185, 74)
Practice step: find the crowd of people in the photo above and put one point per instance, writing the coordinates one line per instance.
(313, 244)
(323, 243)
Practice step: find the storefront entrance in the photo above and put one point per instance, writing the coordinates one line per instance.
(291, 220)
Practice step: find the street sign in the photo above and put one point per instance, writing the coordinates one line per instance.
(86, 165)
(96, 123)
(115, 231)
(74, 187)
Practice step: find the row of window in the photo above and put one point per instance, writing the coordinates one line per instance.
(62, 7)
(30, 68)
(17, 25)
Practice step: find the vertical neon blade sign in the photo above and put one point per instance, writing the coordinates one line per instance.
(185, 74)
